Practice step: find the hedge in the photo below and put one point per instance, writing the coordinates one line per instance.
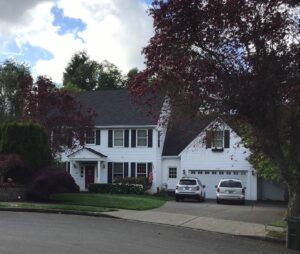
(117, 188)
(28, 140)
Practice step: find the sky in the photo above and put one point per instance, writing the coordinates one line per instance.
(46, 33)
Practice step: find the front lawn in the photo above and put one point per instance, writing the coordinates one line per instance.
(121, 201)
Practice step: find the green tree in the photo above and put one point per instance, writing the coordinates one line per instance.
(110, 76)
(12, 74)
(82, 73)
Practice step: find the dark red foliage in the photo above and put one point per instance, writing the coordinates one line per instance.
(50, 180)
(234, 57)
(9, 162)
(58, 111)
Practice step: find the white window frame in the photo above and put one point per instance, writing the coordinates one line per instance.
(136, 170)
(113, 170)
(122, 139)
(219, 139)
(137, 137)
(85, 136)
(172, 173)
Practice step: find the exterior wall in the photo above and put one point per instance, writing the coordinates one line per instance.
(120, 154)
(170, 183)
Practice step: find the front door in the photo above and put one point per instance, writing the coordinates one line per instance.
(89, 175)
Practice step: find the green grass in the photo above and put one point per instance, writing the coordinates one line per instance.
(121, 201)
(65, 207)
(277, 235)
(279, 223)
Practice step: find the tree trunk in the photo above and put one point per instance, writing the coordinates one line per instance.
(294, 200)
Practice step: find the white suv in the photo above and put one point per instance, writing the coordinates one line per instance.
(230, 189)
(189, 187)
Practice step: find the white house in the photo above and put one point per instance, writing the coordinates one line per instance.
(127, 141)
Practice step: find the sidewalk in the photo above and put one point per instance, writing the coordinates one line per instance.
(203, 223)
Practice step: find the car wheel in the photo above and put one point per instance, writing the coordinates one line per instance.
(243, 202)
(200, 199)
(218, 201)
(182, 199)
(177, 199)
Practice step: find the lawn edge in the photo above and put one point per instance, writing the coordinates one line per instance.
(58, 211)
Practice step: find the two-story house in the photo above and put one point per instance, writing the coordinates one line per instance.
(128, 142)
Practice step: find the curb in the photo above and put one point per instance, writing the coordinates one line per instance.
(58, 211)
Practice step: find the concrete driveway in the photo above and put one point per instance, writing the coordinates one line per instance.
(262, 213)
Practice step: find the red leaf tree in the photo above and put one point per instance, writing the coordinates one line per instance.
(234, 57)
(64, 118)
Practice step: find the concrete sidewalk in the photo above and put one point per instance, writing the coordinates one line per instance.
(196, 222)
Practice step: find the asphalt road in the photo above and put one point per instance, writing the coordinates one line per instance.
(36, 233)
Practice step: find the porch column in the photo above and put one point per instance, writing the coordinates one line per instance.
(98, 169)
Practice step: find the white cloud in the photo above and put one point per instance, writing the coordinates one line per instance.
(116, 30)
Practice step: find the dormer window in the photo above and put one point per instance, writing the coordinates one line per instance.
(217, 140)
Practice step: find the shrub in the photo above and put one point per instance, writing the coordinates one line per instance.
(12, 167)
(117, 188)
(28, 140)
(144, 181)
(50, 180)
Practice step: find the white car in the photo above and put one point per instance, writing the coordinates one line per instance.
(189, 187)
(230, 189)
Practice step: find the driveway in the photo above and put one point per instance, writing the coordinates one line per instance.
(262, 213)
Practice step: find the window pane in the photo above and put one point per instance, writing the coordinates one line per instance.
(217, 139)
(118, 169)
(90, 137)
(142, 138)
(187, 182)
(141, 170)
(118, 138)
(173, 172)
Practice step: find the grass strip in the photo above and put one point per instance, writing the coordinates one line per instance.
(121, 201)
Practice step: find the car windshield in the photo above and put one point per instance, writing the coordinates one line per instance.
(187, 182)
(231, 184)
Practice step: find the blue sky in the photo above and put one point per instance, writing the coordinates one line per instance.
(46, 33)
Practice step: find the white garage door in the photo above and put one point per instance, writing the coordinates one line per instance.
(211, 178)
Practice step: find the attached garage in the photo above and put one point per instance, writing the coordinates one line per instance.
(210, 178)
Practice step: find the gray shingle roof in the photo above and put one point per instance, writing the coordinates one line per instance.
(115, 107)
(181, 132)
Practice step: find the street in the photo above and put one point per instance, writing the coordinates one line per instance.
(54, 233)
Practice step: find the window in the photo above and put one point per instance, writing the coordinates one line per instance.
(214, 172)
(118, 170)
(118, 137)
(243, 173)
(90, 137)
(217, 139)
(141, 170)
(206, 172)
(221, 172)
(231, 184)
(228, 173)
(173, 172)
(235, 173)
(187, 182)
(141, 137)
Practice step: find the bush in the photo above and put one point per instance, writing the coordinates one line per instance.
(116, 188)
(28, 140)
(50, 180)
(144, 181)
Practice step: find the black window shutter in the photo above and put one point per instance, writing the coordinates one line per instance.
(158, 138)
(208, 138)
(226, 139)
(97, 137)
(126, 138)
(150, 135)
(110, 138)
(149, 168)
(109, 173)
(125, 169)
(69, 166)
(132, 169)
(133, 138)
